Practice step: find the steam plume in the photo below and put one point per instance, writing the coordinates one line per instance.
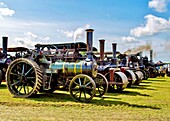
(146, 47)
(79, 32)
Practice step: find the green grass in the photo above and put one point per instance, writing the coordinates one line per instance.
(149, 101)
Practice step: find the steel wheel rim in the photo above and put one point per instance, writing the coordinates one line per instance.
(82, 88)
(22, 78)
(101, 85)
(153, 72)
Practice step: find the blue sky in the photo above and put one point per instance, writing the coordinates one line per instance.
(132, 24)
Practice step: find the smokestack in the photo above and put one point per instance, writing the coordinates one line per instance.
(102, 49)
(114, 49)
(89, 40)
(151, 55)
(114, 59)
(89, 43)
(4, 45)
(141, 60)
(38, 48)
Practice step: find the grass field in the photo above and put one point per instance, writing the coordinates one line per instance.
(149, 101)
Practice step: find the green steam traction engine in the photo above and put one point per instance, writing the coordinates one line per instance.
(43, 72)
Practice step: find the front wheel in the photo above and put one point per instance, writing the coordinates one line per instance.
(101, 85)
(82, 88)
(152, 71)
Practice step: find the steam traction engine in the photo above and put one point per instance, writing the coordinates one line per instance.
(7, 56)
(117, 80)
(44, 73)
(151, 66)
(135, 64)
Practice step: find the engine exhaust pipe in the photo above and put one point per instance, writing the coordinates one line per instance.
(89, 42)
(114, 49)
(151, 55)
(114, 59)
(141, 60)
(4, 45)
(102, 42)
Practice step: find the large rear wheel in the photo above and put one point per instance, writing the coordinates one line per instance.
(23, 77)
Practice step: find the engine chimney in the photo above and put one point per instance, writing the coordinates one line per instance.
(89, 42)
(141, 60)
(102, 49)
(151, 55)
(114, 59)
(38, 48)
(4, 45)
(114, 49)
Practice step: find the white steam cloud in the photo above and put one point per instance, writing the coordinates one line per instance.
(78, 33)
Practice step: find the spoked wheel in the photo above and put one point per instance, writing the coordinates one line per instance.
(153, 72)
(101, 85)
(23, 77)
(82, 88)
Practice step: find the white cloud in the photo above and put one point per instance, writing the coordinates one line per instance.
(29, 40)
(44, 38)
(31, 35)
(159, 5)
(129, 39)
(4, 11)
(153, 25)
(2, 4)
(68, 34)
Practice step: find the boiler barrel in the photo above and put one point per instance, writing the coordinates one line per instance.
(73, 68)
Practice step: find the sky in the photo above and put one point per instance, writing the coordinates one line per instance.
(136, 25)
